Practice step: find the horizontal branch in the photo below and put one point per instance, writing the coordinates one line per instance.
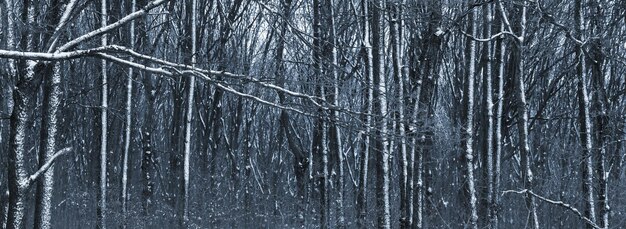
(558, 203)
(497, 35)
(172, 69)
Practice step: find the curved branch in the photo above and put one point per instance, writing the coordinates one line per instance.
(558, 203)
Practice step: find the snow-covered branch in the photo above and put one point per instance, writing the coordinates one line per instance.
(112, 26)
(312, 99)
(69, 7)
(497, 35)
(49, 56)
(558, 203)
(48, 164)
(172, 69)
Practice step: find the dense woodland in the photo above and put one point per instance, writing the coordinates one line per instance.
(312, 113)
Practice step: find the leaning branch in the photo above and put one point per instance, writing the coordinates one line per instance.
(135, 54)
(105, 29)
(558, 203)
(69, 7)
(48, 164)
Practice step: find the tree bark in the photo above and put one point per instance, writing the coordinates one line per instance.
(185, 208)
(396, 50)
(522, 120)
(499, 88)
(128, 126)
(43, 197)
(489, 116)
(380, 97)
(584, 118)
(468, 121)
(23, 98)
(47, 148)
(599, 111)
(102, 201)
(368, 99)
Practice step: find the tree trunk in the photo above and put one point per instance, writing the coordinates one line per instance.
(43, 205)
(600, 119)
(396, 50)
(499, 88)
(584, 118)
(24, 96)
(380, 96)
(23, 99)
(47, 147)
(102, 201)
(128, 127)
(522, 122)
(425, 74)
(488, 90)
(368, 98)
(468, 122)
(185, 207)
(334, 135)
(319, 143)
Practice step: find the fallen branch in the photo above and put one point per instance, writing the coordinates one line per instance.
(558, 203)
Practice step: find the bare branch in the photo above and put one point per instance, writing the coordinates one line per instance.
(47, 165)
(497, 35)
(105, 29)
(173, 69)
(48, 56)
(62, 22)
(558, 203)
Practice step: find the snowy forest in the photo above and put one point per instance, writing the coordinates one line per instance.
(312, 114)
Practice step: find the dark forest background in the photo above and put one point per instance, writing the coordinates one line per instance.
(322, 113)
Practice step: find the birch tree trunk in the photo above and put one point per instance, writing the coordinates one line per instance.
(334, 134)
(584, 118)
(522, 120)
(488, 90)
(51, 102)
(417, 159)
(128, 128)
(319, 143)
(468, 122)
(599, 111)
(187, 152)
(380, 96)
(396, 50)
(47, 147)
(369, 108)
(6, 16)
(23, 97)
(499, 88)
(101, 209)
